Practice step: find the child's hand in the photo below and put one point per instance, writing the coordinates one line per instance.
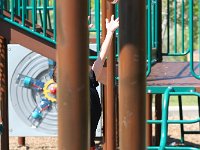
(113, 24)
(114, 1)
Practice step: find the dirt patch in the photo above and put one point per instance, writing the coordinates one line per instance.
(174, 136)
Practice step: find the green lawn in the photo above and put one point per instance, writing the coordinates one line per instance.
(186, 101)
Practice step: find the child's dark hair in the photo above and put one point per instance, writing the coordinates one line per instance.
(92, 53)
(54, 74)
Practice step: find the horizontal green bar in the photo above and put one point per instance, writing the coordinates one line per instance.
(161, 89)
(94, 30)
(172, 148)
(174, 121)
(38, 7)
(93, 57)
(29, 30)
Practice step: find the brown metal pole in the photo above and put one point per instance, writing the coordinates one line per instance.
(158, 116)
(21, 141)
(73, 78)
(148, 117)
(4, 93)
(110, 102)
(132, 75)
(104, 15)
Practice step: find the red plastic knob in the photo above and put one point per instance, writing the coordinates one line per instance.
(53, 90)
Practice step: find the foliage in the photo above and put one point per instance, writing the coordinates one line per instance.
(177, 19)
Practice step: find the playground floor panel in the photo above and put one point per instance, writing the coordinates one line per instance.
(173, 74)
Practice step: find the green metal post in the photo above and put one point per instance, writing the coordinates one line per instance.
(33, 14)
(97, 24)
(183, 25)
(175, 26)
(23, 12)
(152, 5)
(54, 20)
(44, 17)
(12, 9)
(1, 7)
(19, 7)
(164, 127)
(191, 39)
(156, 24)
(149, 37)
(168, 27)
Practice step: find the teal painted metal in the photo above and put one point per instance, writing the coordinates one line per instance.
(22, 7)
(28, 30)
(1, 8)
(18, 8)
(175, 26)
(162, 89)
(23, 12)
(191, 40)
(153, 22)
(33, 14)
(38, 7)
(117, 33)
(12, 10)
(95, 10)
(174, 121)
(172, 148)
(156, 25)
(152, 33)
(97, 24)
(174, 47)
(168, 27)
(44, 17)
(199, 27)
(183, 25)
(164, 122)
(149, 46)
(164, 125)
(54, 21)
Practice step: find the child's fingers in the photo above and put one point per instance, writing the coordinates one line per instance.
(90, 26)
(117, 20)
(107, 20)
(112, 17)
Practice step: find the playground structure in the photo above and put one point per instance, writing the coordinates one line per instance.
(35, 23)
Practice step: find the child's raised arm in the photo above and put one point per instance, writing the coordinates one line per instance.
(98, 64)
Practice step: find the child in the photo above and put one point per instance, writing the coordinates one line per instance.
(97, 73)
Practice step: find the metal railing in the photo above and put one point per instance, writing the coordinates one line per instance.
(35, 16)
(152, 33)
(180, 31)
(171, 91)
(39, 17)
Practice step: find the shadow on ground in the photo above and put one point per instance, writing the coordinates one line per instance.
(176, 142)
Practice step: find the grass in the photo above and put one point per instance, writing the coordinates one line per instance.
(186, 101)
